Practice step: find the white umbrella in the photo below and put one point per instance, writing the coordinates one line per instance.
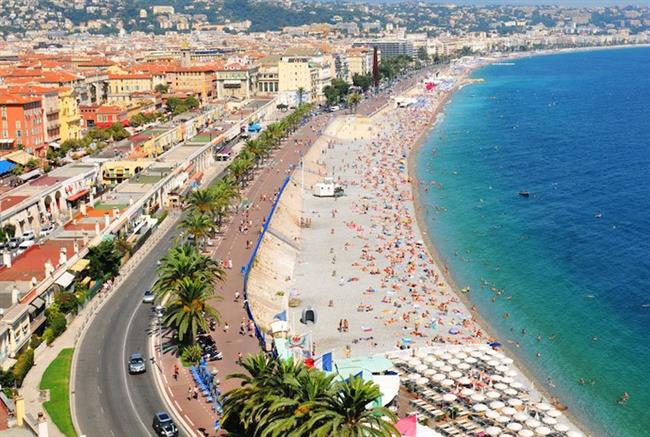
(493, 430)
(516, 385)
(414, 376)
(543, 406)
(507, 380)
(543, 430)
(438, 377)
(514, 402)
(493, 394)
(438, 364)
(500, 386)
(508, 411)
(455, 374)
(554, 413)
(497, 405)
(421, 367)
(560, 427)
(477, 397)
(549, 420)
(491, 414)
(502, 419)
(429, 372)
(496, 378)
(521, 417)
(491, 351)
(514, 426)
(493, 363)
(449, 397)
(467, 392)
(454, 361)
(421, 354)
(476, 354)
(464, 381)
(464, 366)
(503, 369)
(430, 359)
(461, 355)
(447, 368)
(445, 356)
(574, 434)
(526, 433)
(471, 360)
(422, 381)
(511, 373)
(510, 392)
(507, 361)
(479, 407)
(532, 423)
(446, 383)
(414, 362)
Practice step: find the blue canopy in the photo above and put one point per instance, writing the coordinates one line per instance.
(6, 166)
(254, 127)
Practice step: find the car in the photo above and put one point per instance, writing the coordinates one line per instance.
(47, 230)
(14, 242)
(28, 235)
(136, 364)
(148, 297)
(164, 425)
(159, 311)
(26, 244)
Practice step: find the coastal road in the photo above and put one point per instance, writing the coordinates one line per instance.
(109, 401)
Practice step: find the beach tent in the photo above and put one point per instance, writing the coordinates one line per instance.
(6, 166)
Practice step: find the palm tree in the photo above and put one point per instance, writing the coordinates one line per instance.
(301, 95)
(123, 246)
(353, 100)
(184, 262)
(238, 169)
(202, 201)
(225, 192)
(188, 310)
(199, 225)
(346, 414)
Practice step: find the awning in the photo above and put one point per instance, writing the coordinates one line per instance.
(80, 265)
(65, 279)
(19, 157)
(6, 166)
(37, 303)
(30, 175)
(86, 280)
(78, 195)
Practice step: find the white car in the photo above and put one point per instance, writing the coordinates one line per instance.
(148, 297)
(28, 235)
(47, 230)
(26, 244)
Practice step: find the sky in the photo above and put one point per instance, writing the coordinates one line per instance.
(569, 3)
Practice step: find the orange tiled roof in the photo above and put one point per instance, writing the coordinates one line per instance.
(16, 99)
(129, 76)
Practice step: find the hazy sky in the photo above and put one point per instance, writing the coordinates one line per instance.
(572, 3)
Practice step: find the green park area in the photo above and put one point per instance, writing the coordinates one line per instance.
(56, 379)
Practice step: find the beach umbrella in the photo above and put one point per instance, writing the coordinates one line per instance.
(430, 359)
(491, 414)
(455, 374)
(532, 423)
(511, 373)
(507, 380)
(521, 417)
(454, 361)
(497, 405)
(503, 369)
(453, 330)
(554, 413)
(471, 360)
(421, 367)
(514, 426)
(422, 381)
(464, 366)
(429, 373)
(510, 392)
(493, 430)
(438, 377)
(476, 354)
(500, 386)
(543, 430)
(543, 406)
(496, 378)
(479, 407)
(574, 434)
(514, 402)
(560, 427)
(477, 397)
(449, 397)
(507, 361)
(445, 356)
(467, 392)
(421, 354)
(502, 419)
(446, 368)
(525, 433)
(493, 394)
(438, 364)
(461, 355)
(491, 351)
(414, 376)
(549, 421)
(493, 363)
(508, 411)
(464, 381)
(414, 362)
(516, 385)
(446, 383)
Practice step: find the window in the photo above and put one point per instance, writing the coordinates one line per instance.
(18, 134)
(17, 124)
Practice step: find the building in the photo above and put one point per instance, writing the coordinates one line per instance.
(199, 80)
(22, 124)
(359, 61)
(69, 115)
(267, 75)
(104, 116)
(297, 79)
(236, 81)
(390, 48)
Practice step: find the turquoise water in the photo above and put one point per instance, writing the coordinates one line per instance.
(573, 259)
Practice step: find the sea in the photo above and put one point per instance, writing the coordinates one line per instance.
(561, 276)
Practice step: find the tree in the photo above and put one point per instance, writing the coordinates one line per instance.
(341, 87)
(331, 94)
(198, 225)
(161, 88)
(18, 170)
(187, 312)
(123, 246)
(104, 260)
(353, 100)
(301, 95)
(32, 164)
(422, 54)
(362, 81)
(117, 132)
(182, 262)
(203, 202)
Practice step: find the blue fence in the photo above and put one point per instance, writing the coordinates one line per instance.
(247, 268)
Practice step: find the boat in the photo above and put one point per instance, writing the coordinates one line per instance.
(524, 194)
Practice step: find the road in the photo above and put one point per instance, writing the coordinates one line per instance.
(109, 401)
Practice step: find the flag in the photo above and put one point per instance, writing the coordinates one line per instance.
(281, 316)
(327, 362)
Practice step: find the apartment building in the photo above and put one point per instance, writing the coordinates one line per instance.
(21, 123)
(297, 79)
(69, 115)
(236, 81)
(122, 86)
(359, 61)
(267, 75)
(199, 80)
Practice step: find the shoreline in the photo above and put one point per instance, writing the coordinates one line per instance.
(474, 310)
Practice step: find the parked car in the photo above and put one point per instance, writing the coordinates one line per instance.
(164, 425)
(14, 242)
(148, 297)
(26, 244)
(159, 311)
(47, 230)
(137, 364)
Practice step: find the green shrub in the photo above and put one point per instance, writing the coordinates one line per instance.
(35, 341)
(192, 354)
(67, 302)
(7, 378)
(162, 216)
(24, 362)
(55, 324)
